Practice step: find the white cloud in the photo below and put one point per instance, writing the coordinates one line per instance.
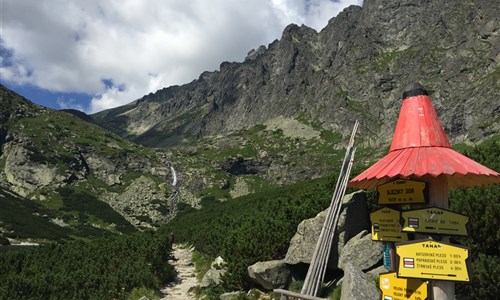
(72, 46)
(70, 103)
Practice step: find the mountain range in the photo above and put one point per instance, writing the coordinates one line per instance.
(355, 68)
(281, 116)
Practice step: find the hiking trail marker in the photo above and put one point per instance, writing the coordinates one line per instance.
(429, 259)
(401, 191)
(435, 221)
(386, 226)
(394, 288)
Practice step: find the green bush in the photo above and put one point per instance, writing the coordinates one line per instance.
(251, 228)
(482, 205)
(104, 268)
(138, 293)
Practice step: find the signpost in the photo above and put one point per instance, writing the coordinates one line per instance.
(401, 191)
(386, 226)
(429, 259)
(394, 288)
(435, 221)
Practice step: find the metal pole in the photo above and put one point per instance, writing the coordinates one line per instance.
(319, 261)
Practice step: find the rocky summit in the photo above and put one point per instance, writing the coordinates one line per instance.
(355, 68)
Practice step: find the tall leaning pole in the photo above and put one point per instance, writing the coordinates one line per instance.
(421, 151)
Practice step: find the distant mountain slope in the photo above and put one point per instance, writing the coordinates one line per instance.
(78, 174)
(355, 68)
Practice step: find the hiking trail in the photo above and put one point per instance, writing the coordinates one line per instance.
(186, 276)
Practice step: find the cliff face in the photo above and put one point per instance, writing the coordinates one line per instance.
(79, 174)
(355, 68)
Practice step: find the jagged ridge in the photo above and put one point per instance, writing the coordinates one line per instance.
(355, 68)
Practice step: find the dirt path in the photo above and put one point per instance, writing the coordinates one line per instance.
(186, 279)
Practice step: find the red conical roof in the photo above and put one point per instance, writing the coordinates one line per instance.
(420, 147)
(418, 125)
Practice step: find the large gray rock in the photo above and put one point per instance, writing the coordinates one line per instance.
(230, 296)
(357, 285)
(270, 274)
(302, 244)
(25, 175)
(213, 276)
(353, 219)
(361, 251)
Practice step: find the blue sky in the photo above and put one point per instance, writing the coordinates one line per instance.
(93, 55)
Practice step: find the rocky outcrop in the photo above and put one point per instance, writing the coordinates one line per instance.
(213, 276)
(302, 244)
(353, 219)
(270, 274)
(357, 252)
(242, 166)
(231, 296)
(361, 251)
(357, 285)
(139, 203)
(354, 68)
(44, 153)
(24, 175)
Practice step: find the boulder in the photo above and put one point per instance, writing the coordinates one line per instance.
(377, 271)
(213, 276)
(230, 296)
(354, 218)
(361, 251)
(270, 274)
(303, 243)
(357, 285)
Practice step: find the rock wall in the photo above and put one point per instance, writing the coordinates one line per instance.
(354, 68)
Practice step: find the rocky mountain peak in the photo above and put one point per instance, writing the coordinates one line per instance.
(355, 68)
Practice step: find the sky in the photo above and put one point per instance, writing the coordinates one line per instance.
(93, 55)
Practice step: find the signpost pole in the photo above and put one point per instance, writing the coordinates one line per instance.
(438, 196)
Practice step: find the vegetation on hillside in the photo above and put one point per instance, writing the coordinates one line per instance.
(74, 168)
(482, 205)
(259, 226)
(251, 228)
(283, 152)
(21, 218)
(105, 268)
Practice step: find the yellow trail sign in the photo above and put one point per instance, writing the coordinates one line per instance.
(435, 220)
(429, 259)
(386, 226)
(401, 192)
(395, 288)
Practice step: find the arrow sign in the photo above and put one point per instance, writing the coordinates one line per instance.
(435, 221)
(429, 259)
(386, 226)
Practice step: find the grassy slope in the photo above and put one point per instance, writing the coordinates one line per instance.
(58, 139)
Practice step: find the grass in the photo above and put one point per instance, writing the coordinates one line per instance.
(23, 218)
(87, 205)
(138, 293)
(202, 264)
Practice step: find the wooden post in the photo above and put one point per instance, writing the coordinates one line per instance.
(438, 196)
